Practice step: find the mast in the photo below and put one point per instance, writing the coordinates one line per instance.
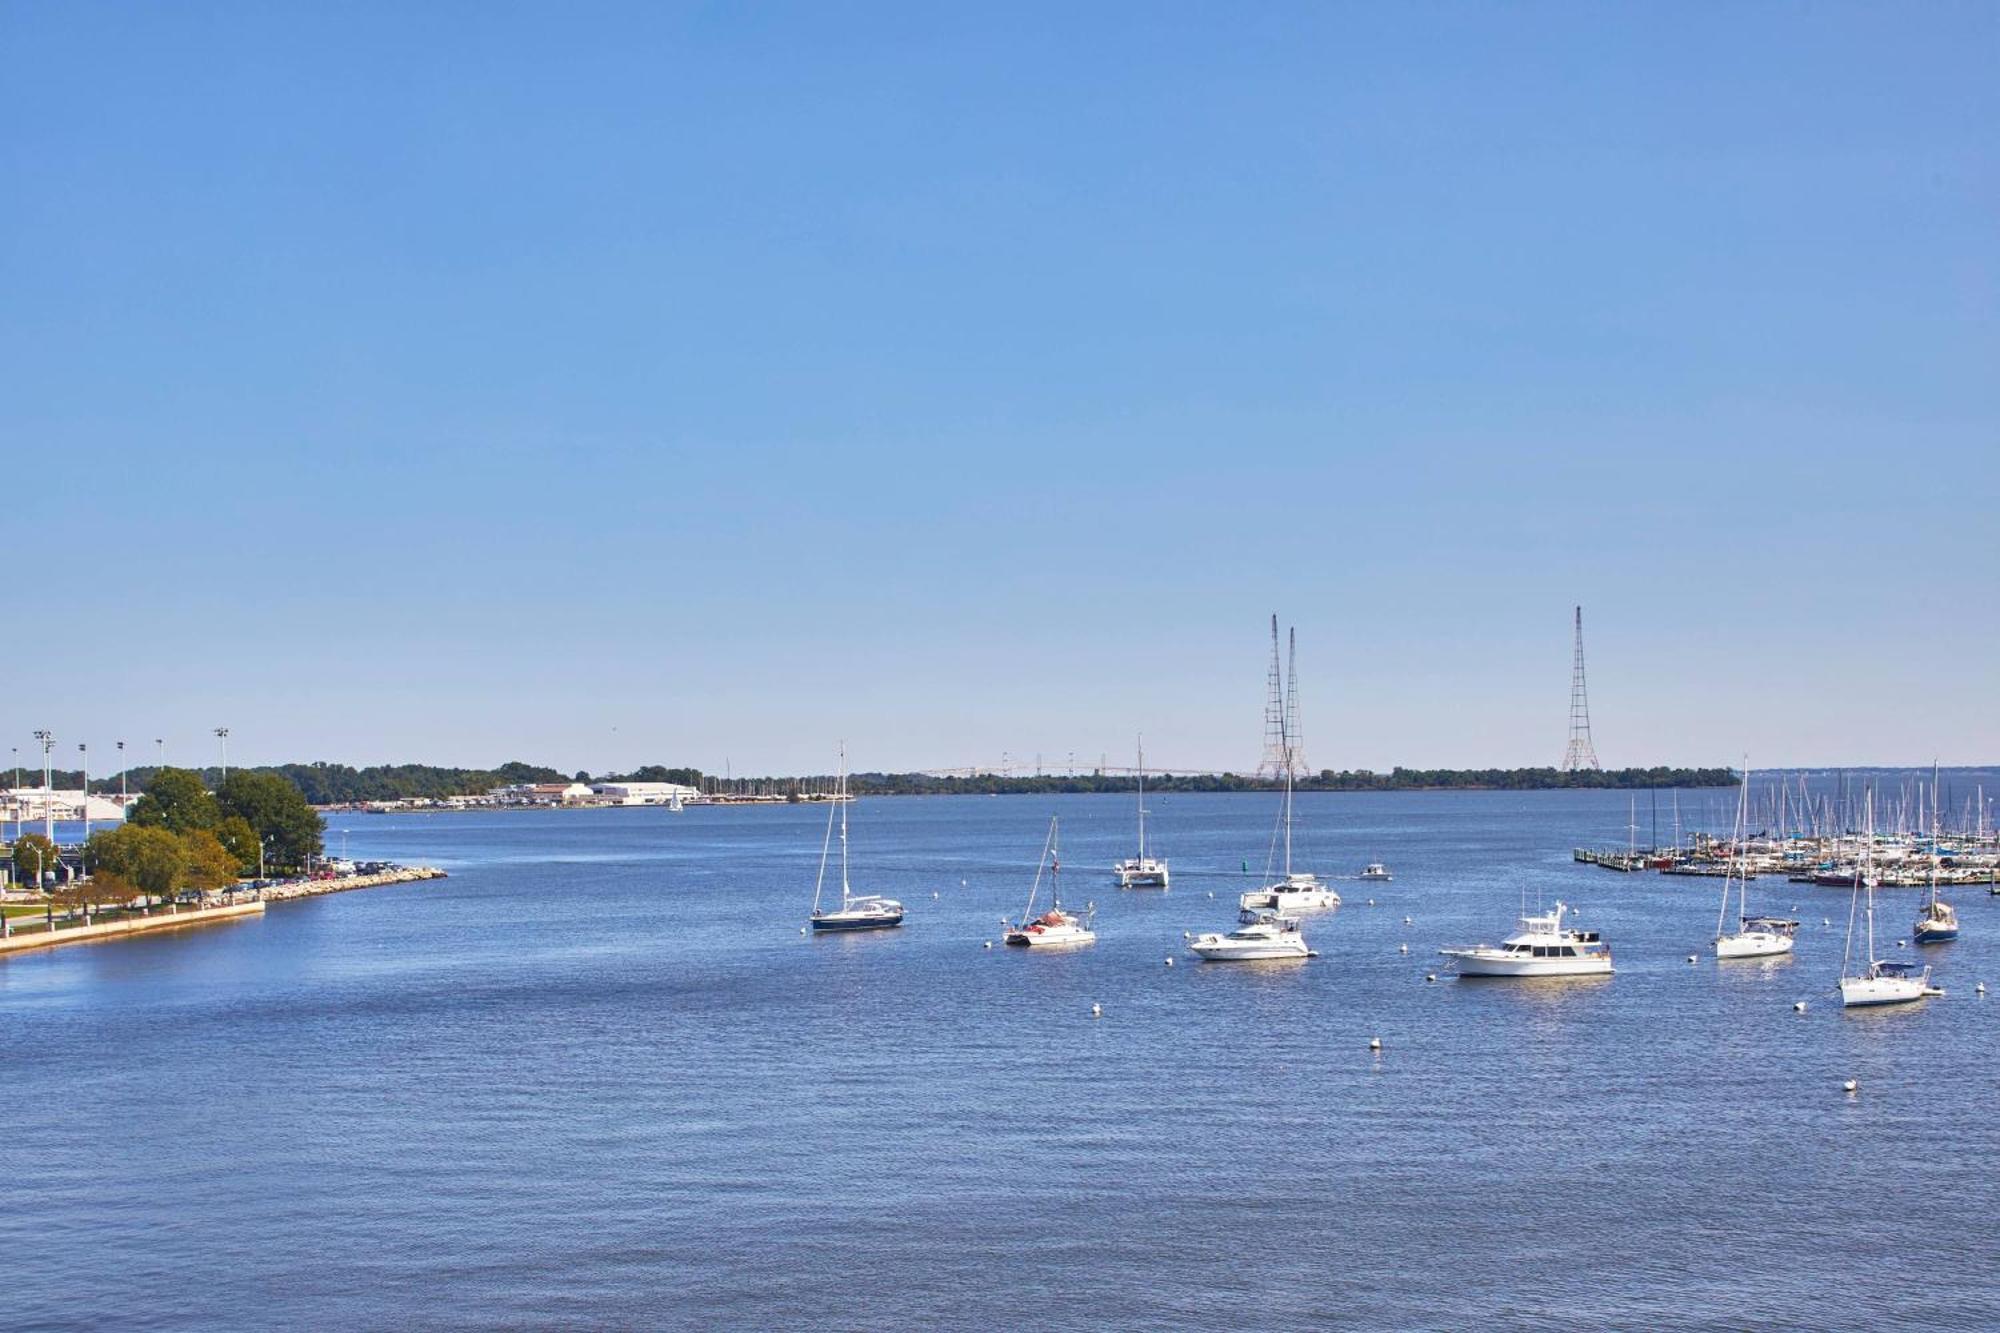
(826, 843)
(1735, 852)
(1142, 798)
(842, 803)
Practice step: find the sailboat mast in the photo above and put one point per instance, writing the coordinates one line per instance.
(1142, 798)
(845, 892)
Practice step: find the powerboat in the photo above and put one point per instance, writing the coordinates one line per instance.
(1377, 871)
(1262, 935)
(1054, 928)
(1543, 947)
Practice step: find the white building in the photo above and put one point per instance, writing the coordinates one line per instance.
(31, 805)
(542, 793)
(644, 793)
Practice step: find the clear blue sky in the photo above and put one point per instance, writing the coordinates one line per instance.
(602, 384)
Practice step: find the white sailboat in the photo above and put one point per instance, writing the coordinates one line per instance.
(1055, 928)
(1141, 871)
(856, 911)
(1295, 890)
(1937, 923)
(1754, 936)
(1880, 981)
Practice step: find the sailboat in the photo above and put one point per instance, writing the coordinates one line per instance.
(1054, 928)
(1880, 981)
(1937, 923)
(856, 911)
(1754, 936)
(1141, 871)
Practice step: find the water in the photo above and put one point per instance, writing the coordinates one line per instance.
(598, 1078)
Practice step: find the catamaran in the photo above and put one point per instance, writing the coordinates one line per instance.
(1543, 947)
(1880, 980)
(856, 911)
(1754, 936)
(1141, 871)
(1054, 928)
(1297, 890)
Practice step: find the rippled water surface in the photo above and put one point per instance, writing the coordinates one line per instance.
(598, 1078)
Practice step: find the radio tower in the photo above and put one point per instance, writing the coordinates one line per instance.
(1294, 751)
(1580, 754)
(1276, 737)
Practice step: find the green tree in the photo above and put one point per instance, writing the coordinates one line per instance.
(33, 854)
(235, 833)
(277, 811)
(175, 800)
(154, 859)
(205, 862)
(95, 893)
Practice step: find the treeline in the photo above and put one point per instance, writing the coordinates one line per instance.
(1397, 779)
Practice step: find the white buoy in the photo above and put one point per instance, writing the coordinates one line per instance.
(1799, 1008)
(1406, 921)
(1430, 976)
(934, 893)
(1097, 1011)
(1850, 1086)
(1402, 948)
(1371, 902)
(1170, 960)
(1826, 921)
(802, 930)
(1690, 958)
(1980, 989)
(989, 944)
(1902, 944)
(1374, 1043)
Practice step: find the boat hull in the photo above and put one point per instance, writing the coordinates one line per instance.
(1050, 939)
(1472, 964)
(1932, 935)
(1141, 879)
(1861, 992)
(1754, 945)
(835, 924)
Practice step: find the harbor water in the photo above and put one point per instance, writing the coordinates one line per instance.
(599, 1078)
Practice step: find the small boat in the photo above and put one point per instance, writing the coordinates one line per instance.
(857, 911)
(1054, 928)
(1880, 980)
(1263, 935)
(1141, 871)
(1377, 871)
(1754, 936)
(1543, 947)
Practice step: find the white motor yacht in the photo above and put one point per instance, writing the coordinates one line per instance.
(1543, 947)
(1054, 928)
(1263, 935)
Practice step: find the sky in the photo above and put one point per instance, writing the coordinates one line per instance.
(605, 384)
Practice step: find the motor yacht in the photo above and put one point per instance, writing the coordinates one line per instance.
(1375, 870)
(1262, 935)
(1543, 947)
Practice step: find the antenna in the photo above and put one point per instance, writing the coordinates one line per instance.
(1580, 754)
(1276, 759)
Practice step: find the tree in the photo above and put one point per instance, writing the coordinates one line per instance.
(33, 855)
(205, 862)
(154, 859)
(175, 800)
(95, 892)
(275, 810)
(235, 833)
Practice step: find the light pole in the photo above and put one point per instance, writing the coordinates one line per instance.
(83, 758)
(222, 739)
(49, 907)
(159, 754)
(121, 775)
(48, 740)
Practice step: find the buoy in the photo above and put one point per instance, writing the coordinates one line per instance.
(1374, 1043)
(1211, 893)
(1430, 976)
(1406, 921)
(1849, 1086)
(1826, 921)
(1690, 958)
(1371, 902)
(1402, 948)
(1902, 944)
(1170, 960)
(989, 944)
(1097, 1011)
(934, 893)
(1799, 1008)
(1980, 989)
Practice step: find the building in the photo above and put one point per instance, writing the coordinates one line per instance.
(32, 805)
(643, 793)
(543, 793)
